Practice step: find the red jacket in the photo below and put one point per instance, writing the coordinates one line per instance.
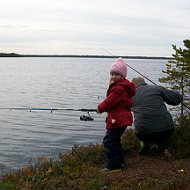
(118, 104)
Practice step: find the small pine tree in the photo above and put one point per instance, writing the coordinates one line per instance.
(178, 75)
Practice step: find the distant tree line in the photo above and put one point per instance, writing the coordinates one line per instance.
(84, 56)
(10, 55)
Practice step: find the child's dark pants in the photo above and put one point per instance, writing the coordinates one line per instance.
(113, 149)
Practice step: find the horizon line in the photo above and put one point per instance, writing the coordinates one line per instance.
(89, 56)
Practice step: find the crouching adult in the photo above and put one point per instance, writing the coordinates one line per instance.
(153, 123)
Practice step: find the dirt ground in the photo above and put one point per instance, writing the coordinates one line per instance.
(161, 170)
(154, 172)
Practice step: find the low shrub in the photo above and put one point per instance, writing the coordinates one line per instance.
(129, 141)
(178, 144)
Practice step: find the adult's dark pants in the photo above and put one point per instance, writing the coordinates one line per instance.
(113, 149)
(155, 137)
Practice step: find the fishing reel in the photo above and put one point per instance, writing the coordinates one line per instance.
(86, 117)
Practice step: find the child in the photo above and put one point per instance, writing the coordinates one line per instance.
(117, 104)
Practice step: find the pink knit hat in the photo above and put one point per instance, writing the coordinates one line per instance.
(119, 67)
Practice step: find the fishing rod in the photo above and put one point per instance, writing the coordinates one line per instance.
(143, 76)
(132, 68)
(82, 117)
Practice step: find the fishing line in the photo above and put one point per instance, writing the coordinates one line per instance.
(132, 68)
(141, 75)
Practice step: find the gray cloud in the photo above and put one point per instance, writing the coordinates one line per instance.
(135, 27)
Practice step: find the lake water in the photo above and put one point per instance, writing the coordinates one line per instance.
(55, 83)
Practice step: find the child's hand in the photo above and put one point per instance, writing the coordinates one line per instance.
(98, 111)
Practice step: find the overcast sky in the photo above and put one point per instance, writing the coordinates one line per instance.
(121, 27)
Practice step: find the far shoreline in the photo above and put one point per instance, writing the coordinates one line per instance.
(82, 56)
